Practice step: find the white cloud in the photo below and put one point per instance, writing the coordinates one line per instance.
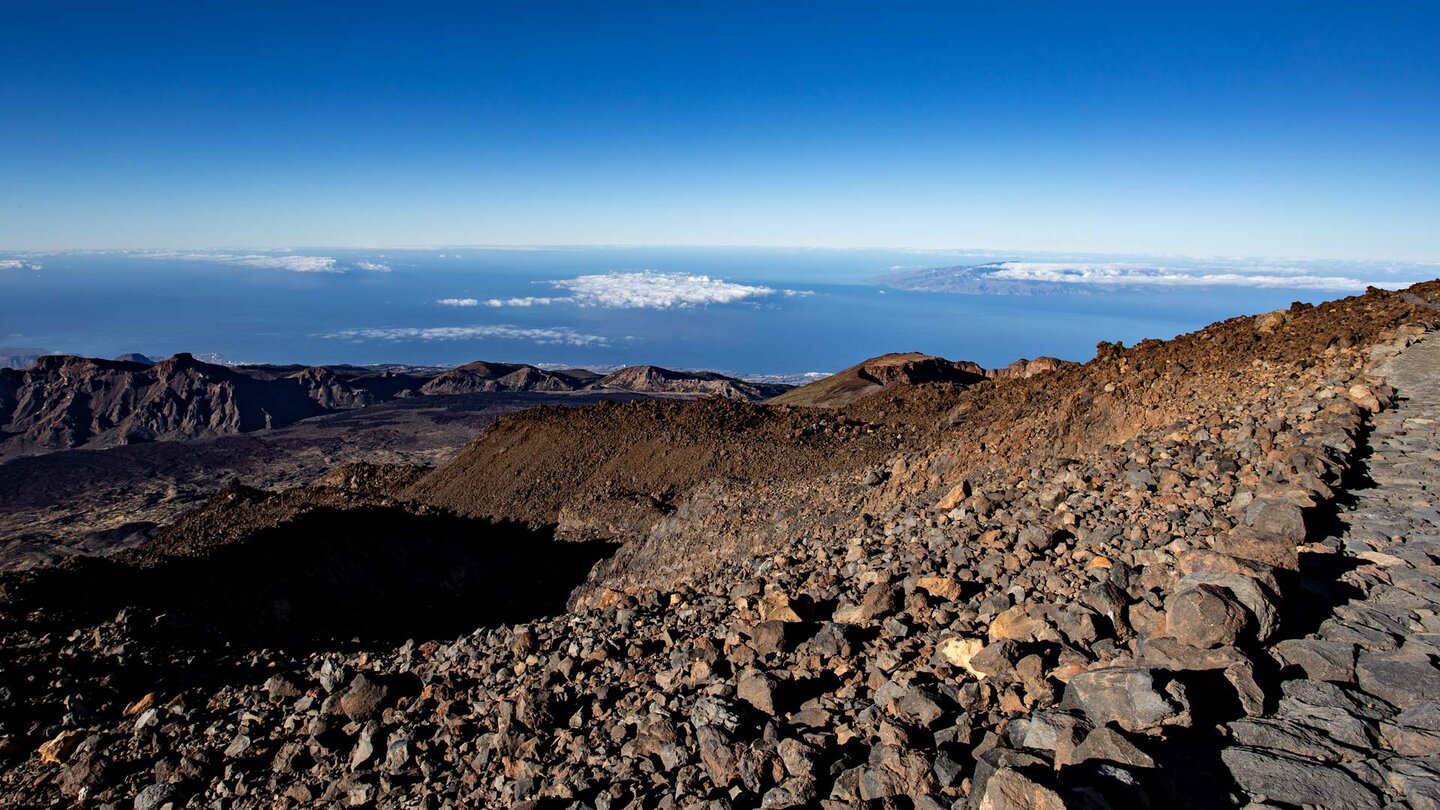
(561, 336)
(292, 262)
(457, 302)
(295, 264)
(643, 290)
(652, 290)
(1115, 274)
(16, 264)
(528, 301)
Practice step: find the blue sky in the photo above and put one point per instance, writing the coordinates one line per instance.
(1292, 129)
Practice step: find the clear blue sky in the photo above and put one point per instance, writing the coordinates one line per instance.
(1295, 129)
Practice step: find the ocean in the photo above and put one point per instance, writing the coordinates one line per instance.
(738, 310)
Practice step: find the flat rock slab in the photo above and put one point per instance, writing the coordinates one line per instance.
(1399, 678)
(1294, 780)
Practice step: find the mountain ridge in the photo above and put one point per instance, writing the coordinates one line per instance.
(61, 402)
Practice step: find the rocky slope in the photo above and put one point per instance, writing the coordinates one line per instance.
(656, 380)
(905, 369)
(863, 379)
(96, 501)
(1196, 573)
(483, 376)
(62, 402)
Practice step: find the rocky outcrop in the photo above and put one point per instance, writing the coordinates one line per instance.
(63, 402)
(877, 373)
(656, 380)
(483, 376)
(908, 369)
(330, 391)
(1026, 368)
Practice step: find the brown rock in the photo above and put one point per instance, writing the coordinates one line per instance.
(954, 497)
(1021, 623)
(881, 600)
(996, 660)
(1108, 745)
(757, 689)
(959, 651)
(776, 606)
(1134, 698)
(1246, 542)
(141, 705)
(1205, 616)
(942, 587)
(59, 748)
(1009, 789)
(363, 699)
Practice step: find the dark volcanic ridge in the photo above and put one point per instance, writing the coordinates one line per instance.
(60, 402)
(1192, 573)
(907, 368)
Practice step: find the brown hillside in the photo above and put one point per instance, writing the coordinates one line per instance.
(877, 373)
(613, 469)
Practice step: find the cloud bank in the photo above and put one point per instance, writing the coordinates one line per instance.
(647, 289)
(457, 302)
(290, 262)
(294, 264)
(528, 301)
(16, 264)
(652, 290)
(1116, 274)
(1051, 277)
(550, 336)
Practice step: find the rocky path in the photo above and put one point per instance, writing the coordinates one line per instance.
(1358, 724)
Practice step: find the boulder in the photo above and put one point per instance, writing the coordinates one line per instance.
(1248, 543)
(1319, 659)
(777, 606)
(1296, 781)
(996, 660)
(1205, 616)
(946, 588)
(363, 699)
(1105, 744)
(1022, 623)
(880, 600)
(1399, 678)
(758, 689)
(959, 651)
(1259, 600)
(1011, 789)
(893, 772)
(1134, 698)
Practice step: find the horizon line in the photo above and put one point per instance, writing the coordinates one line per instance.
(708, 246)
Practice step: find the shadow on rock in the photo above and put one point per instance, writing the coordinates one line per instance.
(332, 576)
